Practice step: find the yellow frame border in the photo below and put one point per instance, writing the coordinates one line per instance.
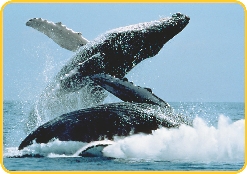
(119, 1)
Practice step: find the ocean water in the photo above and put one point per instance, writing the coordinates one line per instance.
(214, 143)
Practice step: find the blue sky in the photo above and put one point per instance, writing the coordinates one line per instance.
(205, 62)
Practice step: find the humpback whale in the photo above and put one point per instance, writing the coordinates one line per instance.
(141, 112)
(100, 122)
(119, 50)
(115, 53)
(102, 64)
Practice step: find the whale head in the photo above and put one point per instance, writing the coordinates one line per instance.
(131, 44)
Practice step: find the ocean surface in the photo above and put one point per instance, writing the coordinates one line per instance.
(214, 143)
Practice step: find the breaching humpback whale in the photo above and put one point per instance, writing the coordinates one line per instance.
(115, 53)
(103, 63)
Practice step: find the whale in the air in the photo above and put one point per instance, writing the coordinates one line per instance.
(115, 53)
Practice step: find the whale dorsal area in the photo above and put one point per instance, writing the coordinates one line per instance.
(63, 36)
(100, 122)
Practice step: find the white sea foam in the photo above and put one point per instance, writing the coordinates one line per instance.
(55, 148)
(198, 143)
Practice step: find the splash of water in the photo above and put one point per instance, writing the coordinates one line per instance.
(51, 149)
(198, 143)
(53, 101)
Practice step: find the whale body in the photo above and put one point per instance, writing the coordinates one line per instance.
(119, 50)
(141, 112)
(101, 122)
(116, 52)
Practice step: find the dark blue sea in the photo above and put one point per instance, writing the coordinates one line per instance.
(214, 143)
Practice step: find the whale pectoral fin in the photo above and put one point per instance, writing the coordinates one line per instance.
(94, 148)
(121, 88)
(127, 91)
(63, 36)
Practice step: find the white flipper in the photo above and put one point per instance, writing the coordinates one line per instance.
(59, 33)
(94, 148)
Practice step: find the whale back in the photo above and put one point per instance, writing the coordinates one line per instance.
(101, 122)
